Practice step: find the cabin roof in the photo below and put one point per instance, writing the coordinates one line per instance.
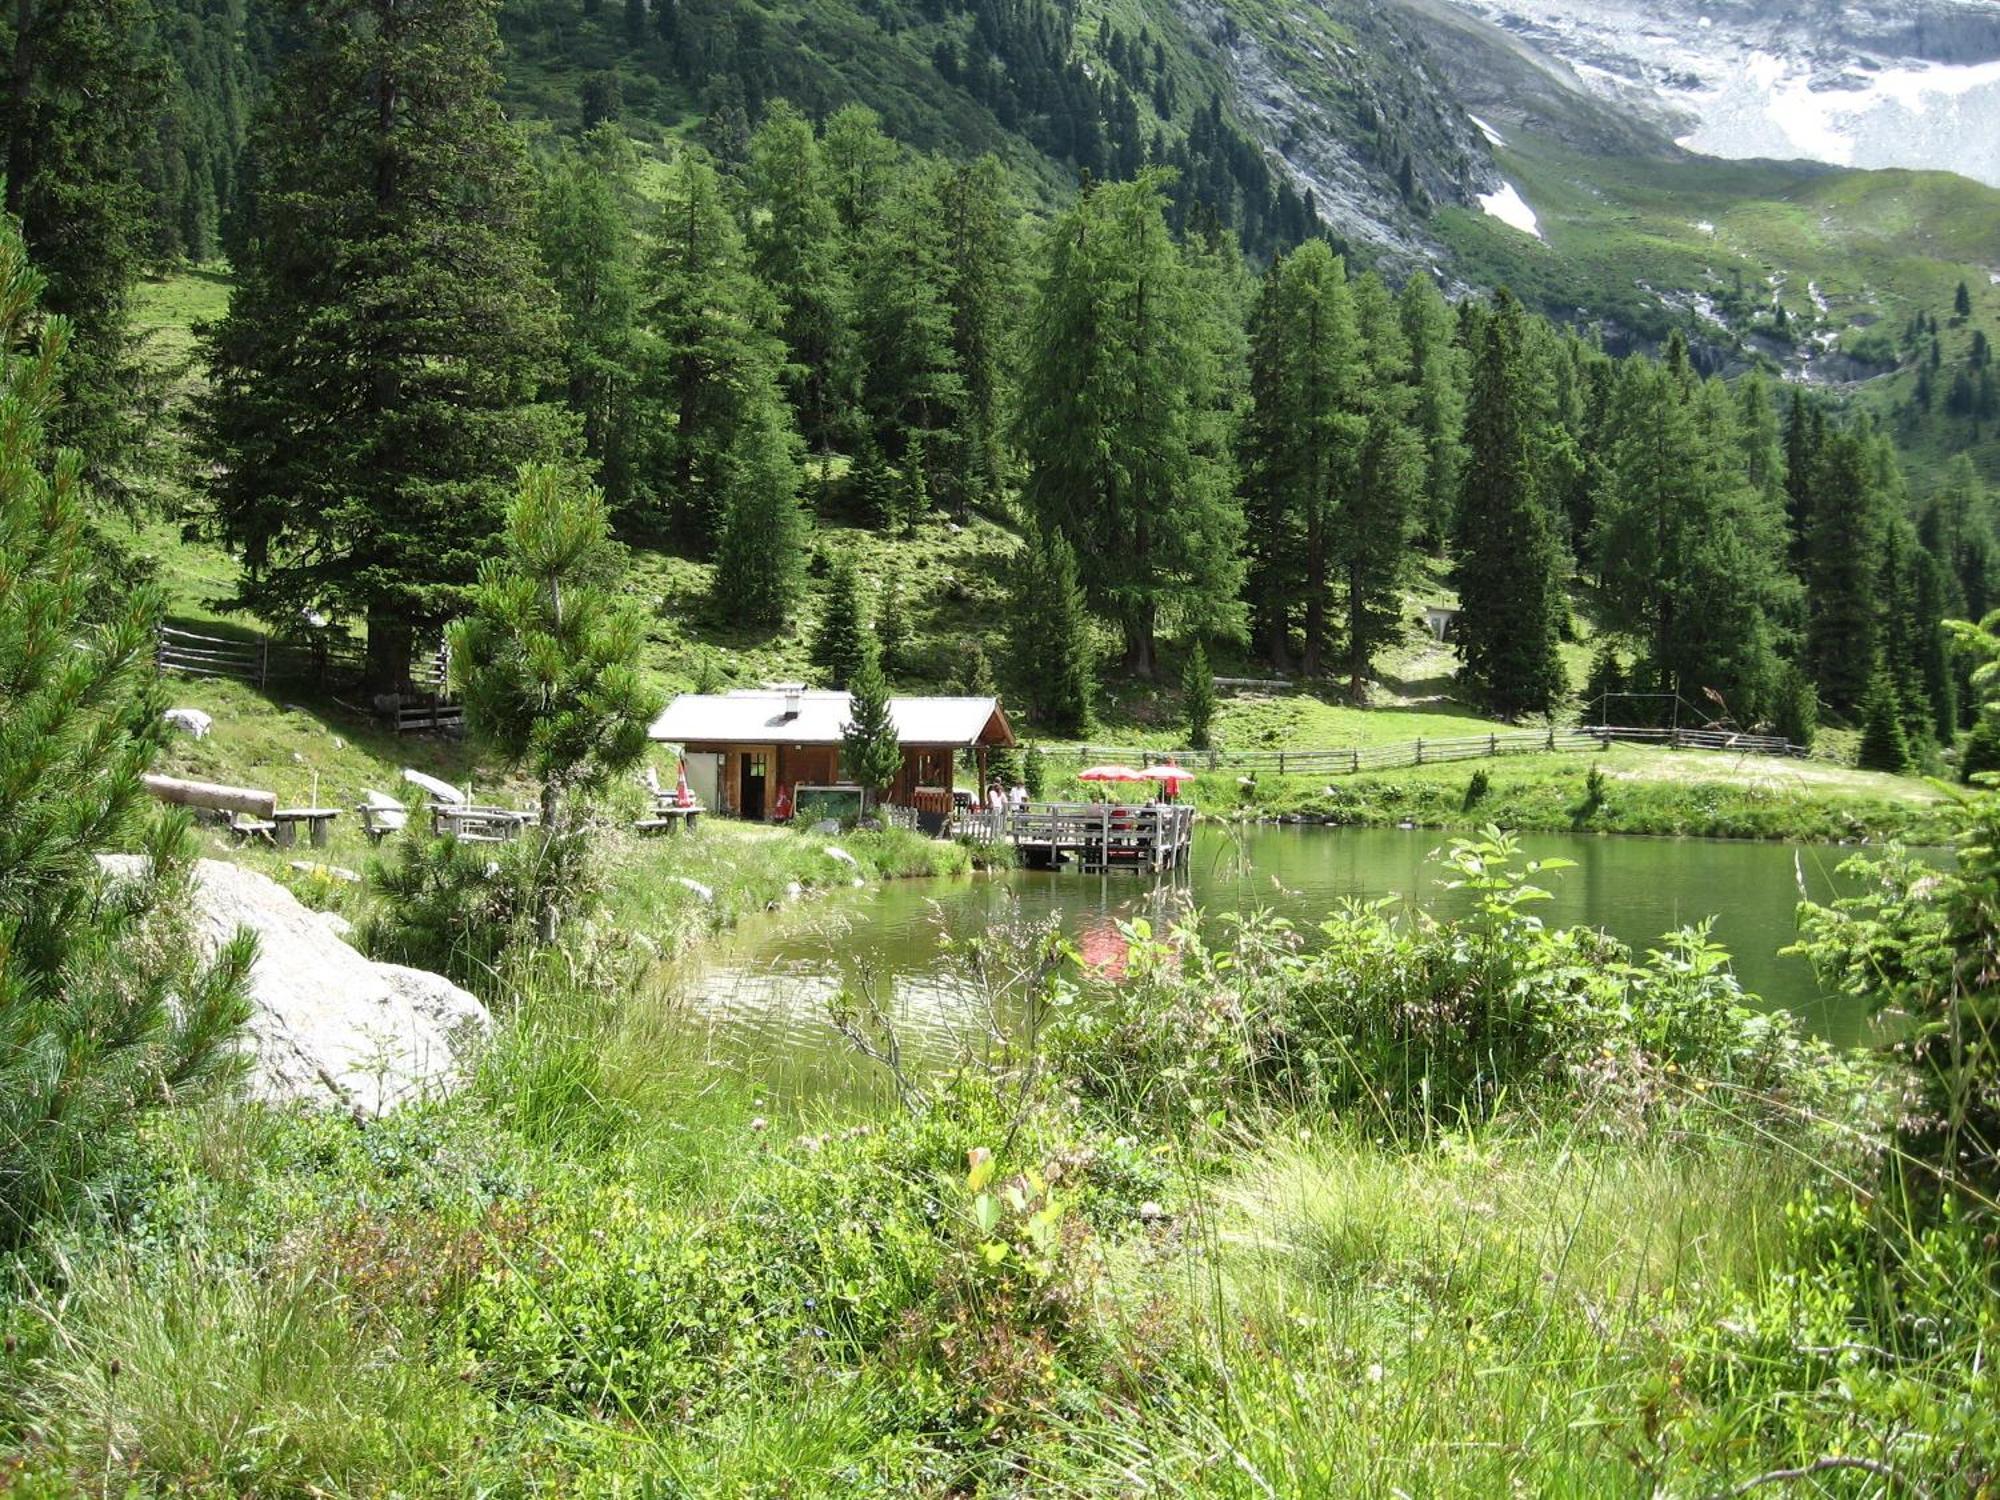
(764, 716)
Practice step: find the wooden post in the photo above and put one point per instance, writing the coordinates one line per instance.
(1281, 762)
(1552, 736)
(264, 662)
(1420, 749)
(1492, 744)
(1355, 756)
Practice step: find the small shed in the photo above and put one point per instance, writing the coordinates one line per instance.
(745, 748)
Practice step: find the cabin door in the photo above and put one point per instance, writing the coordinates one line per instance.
(750, 801)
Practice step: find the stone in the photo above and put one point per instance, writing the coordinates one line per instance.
(706, 893)
(193, 721)
(826, 825)
(834, 851)
(330, 1026)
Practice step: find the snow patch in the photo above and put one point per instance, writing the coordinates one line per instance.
(1493, 137)
(1511, 209)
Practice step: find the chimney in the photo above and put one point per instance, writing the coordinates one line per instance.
(791, 703)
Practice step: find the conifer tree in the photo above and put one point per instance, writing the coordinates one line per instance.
(1795, 708)
(712, 369)
(1605, 683)
(1051, 654)
(1805, 436)
(795, 248)
(976, 206)
(870, 753)
(588, 253)
(892, 628)
(1843, 633)
(1198, 700)
(83, 98)
(760, 548)
(547, 663)
(1301, 444)
(1961, 301)
(1383, 489)
(1884, 746)
(911, 382)
(841, 641)
(1438, 411)
(860, 167)
(377, 379)
(1116, 390)
(104, 1011)
(1509, 570)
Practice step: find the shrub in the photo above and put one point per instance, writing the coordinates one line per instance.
(1884, 744)
(1477, 785)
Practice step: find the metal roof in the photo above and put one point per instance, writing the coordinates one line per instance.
(765, 716)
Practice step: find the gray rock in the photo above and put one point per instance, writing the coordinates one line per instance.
(331, 1026)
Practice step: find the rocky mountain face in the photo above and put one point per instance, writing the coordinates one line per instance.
(1877, 83)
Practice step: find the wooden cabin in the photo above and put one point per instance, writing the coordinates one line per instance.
(746, 748)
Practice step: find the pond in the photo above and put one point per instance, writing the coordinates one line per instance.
(769, 986)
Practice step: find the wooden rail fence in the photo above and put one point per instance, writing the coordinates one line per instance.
(264, 661)
(1433, 751)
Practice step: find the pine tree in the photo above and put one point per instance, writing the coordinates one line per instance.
(1509, 570)
(104, 1011)
(840, 643)
(1380, 500)
(760, 546)
(711, 372)
(976, 206)
(547, 664)
(870, 753)
(911, 382)
(795, 248)
(1117, 387)
(1198, 700)
(1961, 301)
(1795, 709)
(1805, 437)
(1034, 772)
(1604, 686)
(376, 380)
(1051, 654)
(860, 167)
(1884, 746)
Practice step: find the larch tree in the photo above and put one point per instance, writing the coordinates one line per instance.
(761, 538)
(1300, 444)
(1843, 552)
(841, 641)
(1437, 378)
(911, 383)
(1115, 392)
(589, 254)
(379, 377)
(1051, 655)
(1510, 565)
(712, 359)
(796, 251)
(982, 262)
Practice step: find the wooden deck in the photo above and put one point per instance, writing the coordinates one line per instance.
(1093, 836)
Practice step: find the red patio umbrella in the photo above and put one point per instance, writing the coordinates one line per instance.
(1112, 773)
(1172, 778)
(682, 796)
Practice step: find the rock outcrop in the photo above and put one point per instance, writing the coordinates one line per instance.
(331, 1026)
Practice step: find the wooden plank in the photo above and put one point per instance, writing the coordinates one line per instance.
(243, 799)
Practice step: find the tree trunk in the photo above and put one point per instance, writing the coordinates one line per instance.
(1140, 657)
(390, 646)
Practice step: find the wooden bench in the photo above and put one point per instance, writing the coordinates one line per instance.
(382, 815)
(480, 825)
(318, 821)
(243, 828)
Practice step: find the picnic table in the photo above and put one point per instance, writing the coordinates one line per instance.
(481, 825)
(318, 821)
(670, 818)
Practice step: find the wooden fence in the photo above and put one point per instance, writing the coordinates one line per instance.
(1429, 751)
(265, 661)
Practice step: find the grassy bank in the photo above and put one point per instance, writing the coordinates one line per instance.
(1637, 791)
(1451, 1211)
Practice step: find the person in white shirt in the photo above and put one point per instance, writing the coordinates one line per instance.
(1018, 798)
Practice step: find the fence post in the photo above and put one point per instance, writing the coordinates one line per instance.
(264, 662)
(1281, 762)
(1492, 745)
(1355, 755)
(1552, 736)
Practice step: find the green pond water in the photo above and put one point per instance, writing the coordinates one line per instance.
(768, 989)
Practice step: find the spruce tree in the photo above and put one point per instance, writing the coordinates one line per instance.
(547, 664)
(104, 1010)
(911, 381)
(1509, 569)
(841, 643)
(1795, 710)
(1117, 389)
(1961, 301)
(1843, 632)
(1051, 654)
(1438, 411)
(1605, 684)
(760, 545)
(870, 753)
(84, 94)
(892, 628)
(1884, 746)
(1198, 700)
(977, 208)
(1383, 491)
(377, 379)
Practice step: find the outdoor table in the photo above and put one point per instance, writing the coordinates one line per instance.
(318, 821)
(669, 818)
